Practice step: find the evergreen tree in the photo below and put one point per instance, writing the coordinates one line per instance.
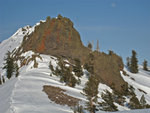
(128, 62)
(134, 63)
(90, 46)
(134, 103)
(16, 69)
(91, 87)
(77, 68)
(89, 66)
(143, 101)
(68, 77)
(91, 91)
(9, 64)
(107, 104)
(145, 65)
(65, 74)
(52, 69)
(110, 52)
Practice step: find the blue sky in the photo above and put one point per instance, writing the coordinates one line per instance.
(119, 25)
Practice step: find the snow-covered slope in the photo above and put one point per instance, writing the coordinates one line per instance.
(27, 95)
(24, 94)
(13, 42)
(140, 81)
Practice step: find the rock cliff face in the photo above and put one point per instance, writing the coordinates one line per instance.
(56, 36)
(59, 38)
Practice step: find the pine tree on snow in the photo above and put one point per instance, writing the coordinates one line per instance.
(91, 91)
(134, 63)
(143, 101)
(9, 65)
(145, 65)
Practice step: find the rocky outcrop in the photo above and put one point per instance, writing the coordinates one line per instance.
(58, 37)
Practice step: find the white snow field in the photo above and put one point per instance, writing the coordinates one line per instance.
(140, 81)
(24, 94)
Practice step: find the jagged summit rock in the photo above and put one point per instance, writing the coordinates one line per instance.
(58, 37)
(54, 36)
